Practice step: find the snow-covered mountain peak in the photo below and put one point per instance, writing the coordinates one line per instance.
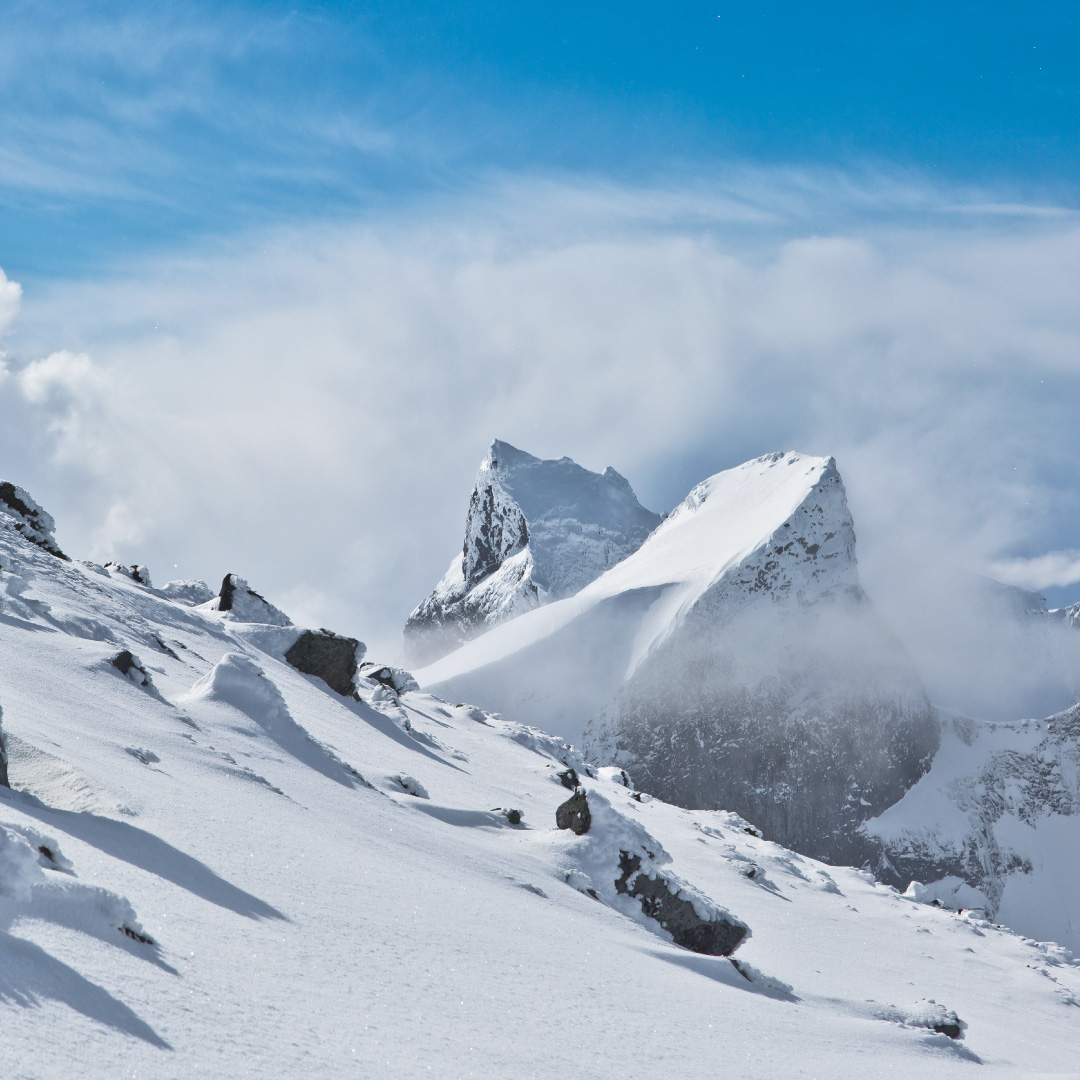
(733, 660)
(536, 531)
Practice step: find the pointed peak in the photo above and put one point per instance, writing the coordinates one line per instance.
(502, 455)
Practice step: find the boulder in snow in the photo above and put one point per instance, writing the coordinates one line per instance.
(130, 666)
(139, 574)
(660, 900)
(331, 657)
(574, 814)
(394, 678)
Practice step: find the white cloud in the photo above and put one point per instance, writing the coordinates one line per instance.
(309, 408)
(10, 299)
(1052, 569)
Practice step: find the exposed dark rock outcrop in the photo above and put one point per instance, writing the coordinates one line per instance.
(714, 937)
(331, 657)
(241, 602)
(19, 511)
(139, 574)
(574, 814)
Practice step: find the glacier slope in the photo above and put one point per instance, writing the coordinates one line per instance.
(331, 888)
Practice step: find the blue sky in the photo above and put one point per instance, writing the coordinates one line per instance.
(279, 270)
(134, 127)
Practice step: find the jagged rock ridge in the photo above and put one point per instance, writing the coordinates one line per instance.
(19, 512)
(536, 531)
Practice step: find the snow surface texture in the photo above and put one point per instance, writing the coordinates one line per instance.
(536, 531)
(995, 825)
(235, 871)
(733, 661)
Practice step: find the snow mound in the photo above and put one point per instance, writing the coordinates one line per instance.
(19, 513)
(238, 602)
(188, 591)
(535, 531)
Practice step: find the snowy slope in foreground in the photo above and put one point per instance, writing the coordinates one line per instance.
(331, 888)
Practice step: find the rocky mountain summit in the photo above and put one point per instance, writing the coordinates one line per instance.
(732, 661)
(536, 531)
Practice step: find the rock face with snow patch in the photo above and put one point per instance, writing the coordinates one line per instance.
(536, 531)
(732, 662)
(20, 513)
(995, 825)
(243, 604)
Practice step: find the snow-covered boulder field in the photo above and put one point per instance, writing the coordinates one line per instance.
(218, 864)
(731, 662)
(535, 531)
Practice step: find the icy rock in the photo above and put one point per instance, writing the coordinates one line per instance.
(622, 865)
(410, 785)
(574, 814)
(128, 664)
(715, 937)
(242, 603)
(394, 678)
(569, 779)
(188, 591)
(139, 574)
(19, 512)
(328, 656)
(535, 531)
